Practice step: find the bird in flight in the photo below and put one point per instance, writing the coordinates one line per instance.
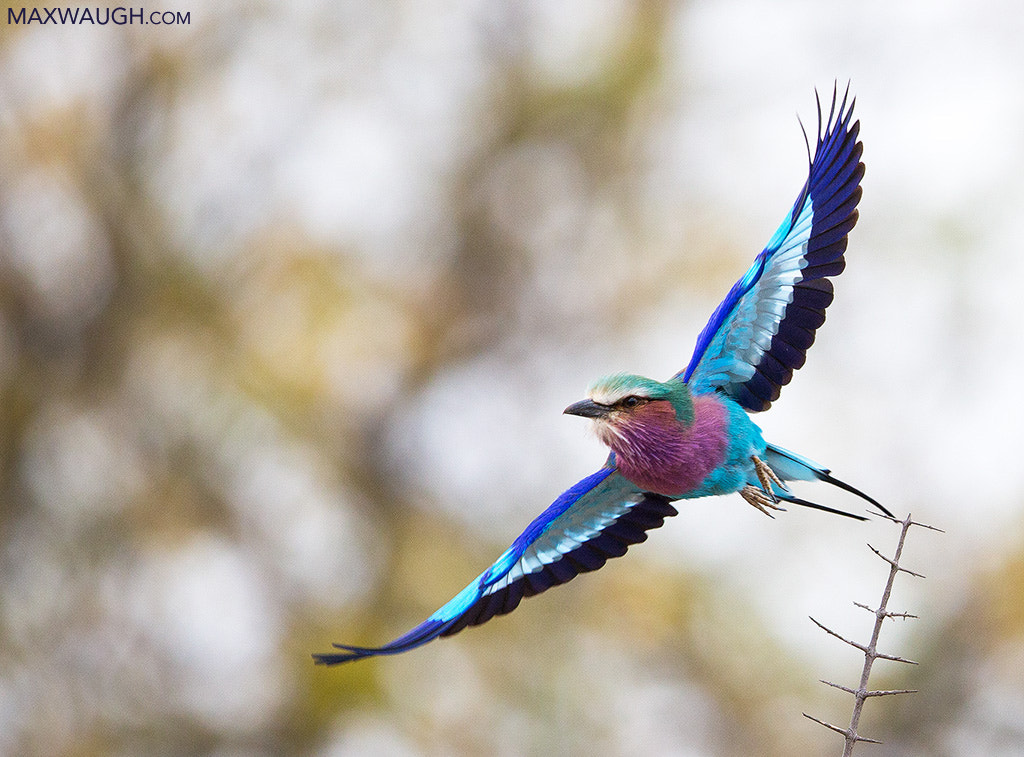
(690, 436)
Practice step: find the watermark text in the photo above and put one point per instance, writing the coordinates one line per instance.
(60, 16)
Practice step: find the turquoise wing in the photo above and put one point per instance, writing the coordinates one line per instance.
(761, 332)
(591, 522)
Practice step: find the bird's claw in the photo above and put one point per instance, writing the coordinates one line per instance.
(764, 498)
(767, 477)
(761, 500)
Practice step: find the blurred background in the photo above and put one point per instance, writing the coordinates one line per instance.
(292, 298)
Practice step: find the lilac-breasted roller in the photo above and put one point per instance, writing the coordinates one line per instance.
(690, 436)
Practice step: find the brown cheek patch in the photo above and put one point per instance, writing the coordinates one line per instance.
(656, 411)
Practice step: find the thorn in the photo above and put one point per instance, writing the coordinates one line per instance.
(889, 692)
(843, 639)
(865, 739)
(847, 689)
(831, 727)
(895, 564)
(849, 735)
(865, 694)
(909, 522)
(894, 658)
(885, 613)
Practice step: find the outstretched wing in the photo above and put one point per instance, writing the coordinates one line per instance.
(593, 521)
(760, 333)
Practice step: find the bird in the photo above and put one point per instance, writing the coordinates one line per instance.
(692, 435)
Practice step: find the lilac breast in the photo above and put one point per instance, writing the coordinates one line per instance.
(659, 454)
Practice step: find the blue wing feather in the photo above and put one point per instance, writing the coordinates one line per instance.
(761, 331)
(591, 522)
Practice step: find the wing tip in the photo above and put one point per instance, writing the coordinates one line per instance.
(490, 595)
(834, 183)
(350, 653)
(835, 118)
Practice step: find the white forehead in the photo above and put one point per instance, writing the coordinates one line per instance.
(610, 393)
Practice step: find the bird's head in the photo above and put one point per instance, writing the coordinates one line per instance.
(623, 401)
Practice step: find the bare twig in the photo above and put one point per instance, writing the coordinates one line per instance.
(862, 693)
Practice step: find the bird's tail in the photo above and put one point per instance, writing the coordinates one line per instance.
(789, 466)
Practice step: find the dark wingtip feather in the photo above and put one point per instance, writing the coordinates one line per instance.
(337, 658)
(426, 631)
(834, 186)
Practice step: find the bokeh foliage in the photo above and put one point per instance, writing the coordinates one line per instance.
(289, 301)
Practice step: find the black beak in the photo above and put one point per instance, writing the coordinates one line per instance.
(587, 409)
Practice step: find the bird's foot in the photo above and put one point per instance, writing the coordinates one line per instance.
(762, 500)
(767, 477)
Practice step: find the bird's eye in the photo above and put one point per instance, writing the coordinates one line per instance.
(631, 401)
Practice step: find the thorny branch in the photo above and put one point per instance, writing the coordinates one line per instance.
(862, 693)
